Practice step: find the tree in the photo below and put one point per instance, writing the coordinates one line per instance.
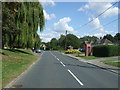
(54, 44)
(20, 23)
(62, 41)
(87, 38)
(72, 40)
(117, 36)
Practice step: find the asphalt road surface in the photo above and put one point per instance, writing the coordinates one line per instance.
(55, 70)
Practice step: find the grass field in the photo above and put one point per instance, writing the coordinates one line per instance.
(112, 62)
(14, 62)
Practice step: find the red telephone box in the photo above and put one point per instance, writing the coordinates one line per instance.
(88, 49)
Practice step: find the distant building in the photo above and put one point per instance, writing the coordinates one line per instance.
(70, 47)
(102, 42)
(43, 46)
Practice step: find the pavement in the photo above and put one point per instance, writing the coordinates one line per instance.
(97, 62)
(55, 70)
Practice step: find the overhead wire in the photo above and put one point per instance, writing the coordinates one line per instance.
(105, 25)
(98, 15)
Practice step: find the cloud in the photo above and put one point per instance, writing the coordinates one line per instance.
(62, 25)
(58, 28)
(83, 8)
(97, 26)
(99, 7)
(46, 37)
(47, 2)
(48, 16)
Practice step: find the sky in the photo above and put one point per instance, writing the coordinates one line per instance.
(71, 16)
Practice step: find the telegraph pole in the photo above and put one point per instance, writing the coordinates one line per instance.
(66, 40)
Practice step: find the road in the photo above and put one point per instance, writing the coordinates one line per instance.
(55, 70)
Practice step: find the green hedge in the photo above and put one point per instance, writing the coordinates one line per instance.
(106, 50)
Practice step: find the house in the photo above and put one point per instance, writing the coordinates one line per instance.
(43, 46)
(102, 42)
(70, 47)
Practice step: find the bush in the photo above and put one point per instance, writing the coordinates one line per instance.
(71, 51)
(106, 50)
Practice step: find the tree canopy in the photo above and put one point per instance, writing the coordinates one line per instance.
(20, 24)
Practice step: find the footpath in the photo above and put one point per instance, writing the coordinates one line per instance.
(97, 63)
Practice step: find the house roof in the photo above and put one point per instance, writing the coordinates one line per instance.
(106, 41)
(103, 41)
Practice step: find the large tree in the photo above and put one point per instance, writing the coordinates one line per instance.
(72, 40)
(20, 23)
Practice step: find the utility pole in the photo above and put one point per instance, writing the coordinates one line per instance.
(66, 40)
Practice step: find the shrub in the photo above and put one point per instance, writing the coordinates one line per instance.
(106, 50)
(71, 51)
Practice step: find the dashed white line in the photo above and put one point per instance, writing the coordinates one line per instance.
(75, 77)
(62, 63)
(58, 59)
(69, 71)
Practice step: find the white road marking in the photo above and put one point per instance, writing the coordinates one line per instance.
(75, 77)
(58, 59)
(62, 63)
(69, 71)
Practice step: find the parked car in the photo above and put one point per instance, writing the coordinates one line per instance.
(82, 49)
(38, 51)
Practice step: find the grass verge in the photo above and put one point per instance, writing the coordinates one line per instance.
(92, 57)
(14, 62)
(112, 62)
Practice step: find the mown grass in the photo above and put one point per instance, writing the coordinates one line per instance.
(14, 62)
(112, 62)
(92, 57)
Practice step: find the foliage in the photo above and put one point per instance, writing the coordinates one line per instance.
(70, 39)
(62, 41)
(87, 38)
(117, 36)
(20, 24)
(73, 41)
(106, 50)
(72, 51)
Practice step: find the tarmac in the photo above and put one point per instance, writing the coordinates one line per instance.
(97, 63)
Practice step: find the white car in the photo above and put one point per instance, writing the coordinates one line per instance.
(38, 51)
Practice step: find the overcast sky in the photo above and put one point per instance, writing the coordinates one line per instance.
(62, 16)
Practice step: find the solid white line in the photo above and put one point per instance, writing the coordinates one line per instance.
(75, 77)
(62, 63)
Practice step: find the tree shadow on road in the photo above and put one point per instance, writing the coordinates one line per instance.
(94, 67)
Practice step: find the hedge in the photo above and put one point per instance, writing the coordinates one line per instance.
(106, 50)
